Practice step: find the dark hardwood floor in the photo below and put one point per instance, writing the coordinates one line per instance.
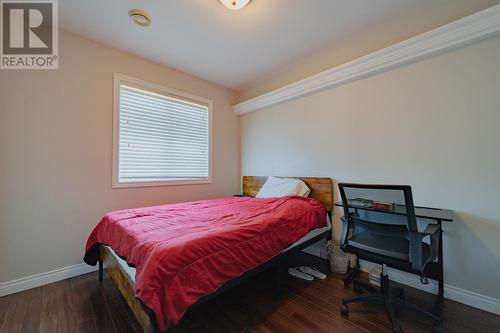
(81, 304)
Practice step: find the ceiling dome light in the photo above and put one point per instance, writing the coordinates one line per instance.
(140, 17)
(234, 4)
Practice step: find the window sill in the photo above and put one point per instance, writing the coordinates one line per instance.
(162, 183)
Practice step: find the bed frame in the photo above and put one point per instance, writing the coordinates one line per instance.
(321, 190)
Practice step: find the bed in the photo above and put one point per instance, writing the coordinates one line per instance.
(236, 269)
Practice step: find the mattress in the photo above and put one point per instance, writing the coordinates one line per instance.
(130, 271)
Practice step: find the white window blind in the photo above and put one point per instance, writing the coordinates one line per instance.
(162, 138)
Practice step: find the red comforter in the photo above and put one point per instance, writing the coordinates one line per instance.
(185, 251)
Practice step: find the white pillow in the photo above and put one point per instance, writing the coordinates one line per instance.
(282, 187)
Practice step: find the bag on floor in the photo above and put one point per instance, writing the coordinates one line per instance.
(341, 261)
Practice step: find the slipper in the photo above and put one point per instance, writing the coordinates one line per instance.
(295, 272)
(312, 271)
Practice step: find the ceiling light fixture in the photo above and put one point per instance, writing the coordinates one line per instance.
(234, 4)
(140, 17)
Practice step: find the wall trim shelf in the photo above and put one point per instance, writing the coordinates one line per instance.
(465, 31)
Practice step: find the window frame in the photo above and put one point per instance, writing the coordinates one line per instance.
(119, 79)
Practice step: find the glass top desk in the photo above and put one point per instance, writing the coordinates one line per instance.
(434, 215)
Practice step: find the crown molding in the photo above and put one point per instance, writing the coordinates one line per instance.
(467, 30)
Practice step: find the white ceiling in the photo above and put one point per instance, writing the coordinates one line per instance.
(238, 48)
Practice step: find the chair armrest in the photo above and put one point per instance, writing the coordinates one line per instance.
(416, 241)
(434, 231)
(431, 229)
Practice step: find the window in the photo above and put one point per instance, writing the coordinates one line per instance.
(161, 136)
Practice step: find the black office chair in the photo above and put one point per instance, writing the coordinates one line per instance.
(387, 236)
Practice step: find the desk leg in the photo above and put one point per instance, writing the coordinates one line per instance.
(440, 298)
(440, 258)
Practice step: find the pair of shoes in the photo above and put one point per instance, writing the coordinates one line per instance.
(306, 273)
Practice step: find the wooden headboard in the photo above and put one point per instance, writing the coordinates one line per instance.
(321, 188)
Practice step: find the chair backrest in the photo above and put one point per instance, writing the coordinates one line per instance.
(360, 204)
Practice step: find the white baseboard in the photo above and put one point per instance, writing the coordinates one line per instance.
(463, 296)
(32, 281)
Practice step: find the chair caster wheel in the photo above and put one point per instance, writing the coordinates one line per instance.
(398, 330)
(344, 310)
(438, 329)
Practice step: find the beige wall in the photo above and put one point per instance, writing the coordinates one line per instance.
(433, 124)
(55, 151)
